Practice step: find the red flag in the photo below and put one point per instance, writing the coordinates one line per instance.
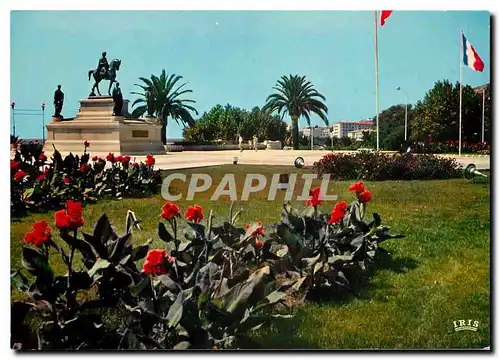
(383, 17)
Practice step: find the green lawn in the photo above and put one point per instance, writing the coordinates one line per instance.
(440, 272)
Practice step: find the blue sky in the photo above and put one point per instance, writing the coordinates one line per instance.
(236, 57)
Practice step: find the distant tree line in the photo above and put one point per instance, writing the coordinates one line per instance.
(226, 123)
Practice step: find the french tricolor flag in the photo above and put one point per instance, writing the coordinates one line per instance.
(471, 58)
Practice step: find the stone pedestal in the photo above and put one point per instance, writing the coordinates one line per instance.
(96, 124)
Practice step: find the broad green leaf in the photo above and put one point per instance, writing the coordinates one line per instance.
(99, 264)
(19, 280)
(174, 315)
(163, 233)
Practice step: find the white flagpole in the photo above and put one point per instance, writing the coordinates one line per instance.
(482, 125)
(376, 73)
(460, 59)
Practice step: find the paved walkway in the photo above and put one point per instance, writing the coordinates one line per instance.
(193, 159)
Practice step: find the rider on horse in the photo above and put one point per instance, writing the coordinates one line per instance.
(103, 66)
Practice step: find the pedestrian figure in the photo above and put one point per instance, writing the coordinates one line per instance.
(255, 142)
(240, 143)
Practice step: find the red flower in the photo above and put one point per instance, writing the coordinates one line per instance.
(119, 158)
(259, 231)
(110, 157)
(72, 217)
(40, 234)
(365, 196)
(169, 210)
(258, 243)
(155, 262)
(194, 213)
(357, 187)
(62, 219)
(20, 175)
(126, 160)
(14, 165)
(314, 195)
(135, 165)
(42, 157)
(86, 144)
(83, 168)
(95, 158)
(150, 160)
(43, 175)
(66, 180)
(338, 213)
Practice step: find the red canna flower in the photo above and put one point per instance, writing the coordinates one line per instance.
(20, 175)
(72, 217)
(357, 187)
(14, 165)
(126, 160)
(86, 144)
(338, 213)
(314, 196)
(66, 180)
(110, 157)
(40, 234)
(42, 157)
(62, 220)
(119, 158)
(135, 165)
(83, 168)
(258, 243)
(194, 213)
(365, 196)
(43, 175)
(150, 160)
(169, 211)
(95, 158)
(155, 263)
(259, 231)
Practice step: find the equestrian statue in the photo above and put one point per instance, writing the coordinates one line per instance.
(104, 71)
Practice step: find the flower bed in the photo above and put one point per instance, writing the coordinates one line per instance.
(380, 166)
(451, 147)
(206, 289)
(40, 185)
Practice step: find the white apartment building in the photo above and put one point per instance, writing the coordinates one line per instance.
(341, 129)
(357, 135)
(318, 132)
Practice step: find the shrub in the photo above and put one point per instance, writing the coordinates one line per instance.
(197, 293)
(206, 289)
(40, 185)
(379, 166)
(450, 147)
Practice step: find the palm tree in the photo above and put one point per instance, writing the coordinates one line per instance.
(296, 97)
(160, 98)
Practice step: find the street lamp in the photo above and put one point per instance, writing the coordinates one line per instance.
(12, 106)
(406, 111)
(43, 123)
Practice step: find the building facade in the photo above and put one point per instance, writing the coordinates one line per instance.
(338, 130)
(342, 128)
(357, 135)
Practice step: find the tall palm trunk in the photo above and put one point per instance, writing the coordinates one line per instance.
(164, 133)
(295, 132)
(164, 123)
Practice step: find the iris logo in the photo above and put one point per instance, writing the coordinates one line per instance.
(461, 325)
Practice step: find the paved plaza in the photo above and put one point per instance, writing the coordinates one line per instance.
(194, 159)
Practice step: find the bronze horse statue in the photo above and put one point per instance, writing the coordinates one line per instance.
(109, 75)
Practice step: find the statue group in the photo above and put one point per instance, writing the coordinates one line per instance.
(104, 71)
